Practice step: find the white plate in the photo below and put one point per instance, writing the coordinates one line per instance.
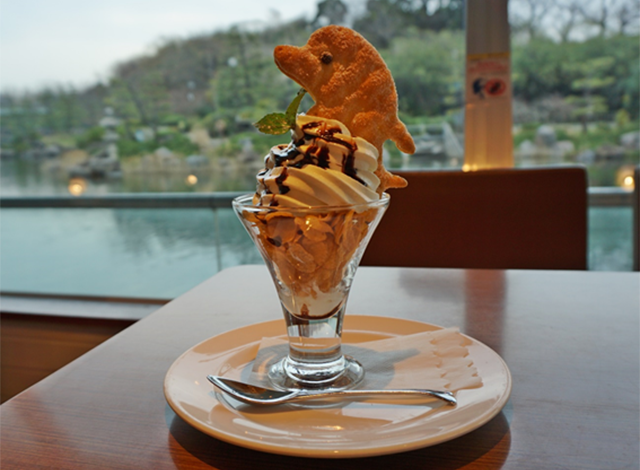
(349, 429)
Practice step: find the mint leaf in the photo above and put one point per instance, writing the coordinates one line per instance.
(279, 123)
(292, 109)
(274, 124)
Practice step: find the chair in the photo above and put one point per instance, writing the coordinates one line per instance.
(534, 218)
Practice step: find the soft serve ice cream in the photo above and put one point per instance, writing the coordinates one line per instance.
(322, 166)
(320, 196)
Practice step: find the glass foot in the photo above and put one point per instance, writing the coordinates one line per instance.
(346, 373)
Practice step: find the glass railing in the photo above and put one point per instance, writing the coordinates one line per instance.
(161, 245)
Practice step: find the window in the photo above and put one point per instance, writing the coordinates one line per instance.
(177, 117)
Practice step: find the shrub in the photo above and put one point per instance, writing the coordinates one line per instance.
(89, 137)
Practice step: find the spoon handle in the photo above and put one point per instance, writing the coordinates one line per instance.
(442, 395)
(256, 395)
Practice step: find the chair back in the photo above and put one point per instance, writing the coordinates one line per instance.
(534, 218)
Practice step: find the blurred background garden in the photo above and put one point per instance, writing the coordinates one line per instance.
(180, 117)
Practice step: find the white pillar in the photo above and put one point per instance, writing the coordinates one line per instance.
(488, 122)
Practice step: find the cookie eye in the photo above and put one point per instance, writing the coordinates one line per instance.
(326, 58)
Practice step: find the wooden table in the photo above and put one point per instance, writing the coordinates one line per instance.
(570, 339)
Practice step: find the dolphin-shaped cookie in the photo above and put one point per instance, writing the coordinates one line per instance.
(349, 82)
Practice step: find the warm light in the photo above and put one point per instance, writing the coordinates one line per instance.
(624, 177)
(77, 186)
(191, 180)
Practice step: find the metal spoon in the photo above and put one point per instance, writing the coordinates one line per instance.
(255, 395)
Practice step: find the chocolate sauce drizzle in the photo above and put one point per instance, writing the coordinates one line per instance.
(349, 169)
(316, 154)
(280, 181)
(291, 156)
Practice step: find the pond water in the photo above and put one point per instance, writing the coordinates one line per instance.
(162, 253)
(611, 239)
(25, 178)
(124, 252)
(157, 253)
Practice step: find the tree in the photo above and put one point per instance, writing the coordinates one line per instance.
(438, 15)
(528, 16)
(627, 15)
(602, 14)
(594, 78)
(426, 69)
(382, 21)
(567, 17)
(139, 94)
(330, 12)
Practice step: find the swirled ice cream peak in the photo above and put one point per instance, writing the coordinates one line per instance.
(322, 165)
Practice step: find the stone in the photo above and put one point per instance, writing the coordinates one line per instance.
(452, 145)
(52, 151)
(200, 137)
(546, 136)
(163, 153)
(609, 152)
(527, 149)
(586, 156)
(564, 148)
(197, 161)
(630, 140)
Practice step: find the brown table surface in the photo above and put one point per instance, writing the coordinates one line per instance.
(570, 339)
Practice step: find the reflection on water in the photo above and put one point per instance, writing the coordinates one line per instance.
(191, 229)
(124, 252)
(77, 186)
(611, 238)
(24, 177)
(163, 253)
(119, 252)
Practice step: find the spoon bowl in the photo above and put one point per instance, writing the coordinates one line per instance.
(256, 395)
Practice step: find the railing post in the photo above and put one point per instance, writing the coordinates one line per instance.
(216, 229)
(636, 219)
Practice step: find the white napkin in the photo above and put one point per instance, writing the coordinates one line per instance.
(433, 359)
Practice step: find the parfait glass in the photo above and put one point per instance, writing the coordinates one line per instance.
(312, 254)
